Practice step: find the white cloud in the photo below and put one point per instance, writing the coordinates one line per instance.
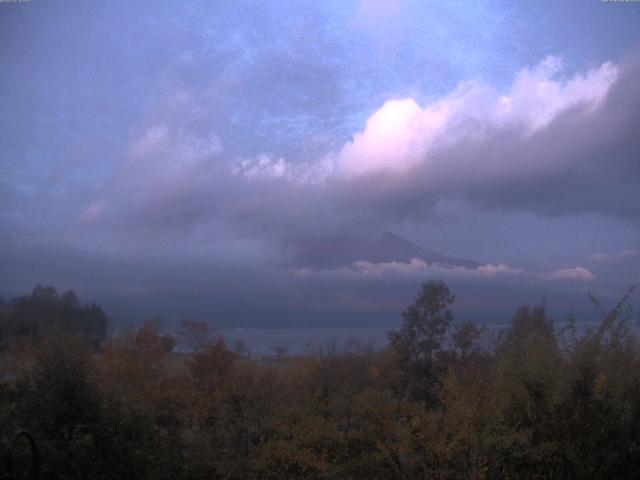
(262, 166)
(490, 270)
(394, 138)
(505, 148)
(580, 274)
(536, 99)
(363, 268)
(418, 267)
(369, 269)
(402, 134)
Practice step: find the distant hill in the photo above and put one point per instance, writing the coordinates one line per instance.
(330, 251)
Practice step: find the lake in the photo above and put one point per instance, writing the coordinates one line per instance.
(299, 341)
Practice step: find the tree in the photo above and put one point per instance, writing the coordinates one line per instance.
(241, 349)
(419, 341)
(466, 339)
(212, 366)
(133, 364)
(34, 316)
(528, 325)
(194, 335)
(61, 405)
(280, 350)
(210, 372)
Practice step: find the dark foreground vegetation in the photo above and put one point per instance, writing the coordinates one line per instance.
(443, 401)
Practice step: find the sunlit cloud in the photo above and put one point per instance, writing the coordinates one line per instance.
(481, 142)
(419, 268)
(578, 273)
(402, 134)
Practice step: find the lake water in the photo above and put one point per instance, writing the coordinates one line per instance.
(299, 341)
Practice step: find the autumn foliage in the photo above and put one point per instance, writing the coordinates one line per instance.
(443, 401)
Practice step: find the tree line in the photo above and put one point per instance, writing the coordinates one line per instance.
(442, 401)
(31, 317)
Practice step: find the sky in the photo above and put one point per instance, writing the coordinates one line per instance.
(179, 158)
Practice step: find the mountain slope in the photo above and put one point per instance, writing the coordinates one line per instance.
(330, 251)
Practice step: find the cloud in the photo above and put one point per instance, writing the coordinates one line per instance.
(367, 269)
(402, 134)
(93, 212)
(150, 142)
(548, 144)
(536, 99)
(395, 137)
(493, 270)
(169, 151)
(577, 274)
(417, 267)
(605, 257)
(233, 130)
(262, 166)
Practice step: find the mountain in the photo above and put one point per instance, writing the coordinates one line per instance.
(331, 251)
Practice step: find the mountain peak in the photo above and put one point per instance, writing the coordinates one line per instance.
(336, 250)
